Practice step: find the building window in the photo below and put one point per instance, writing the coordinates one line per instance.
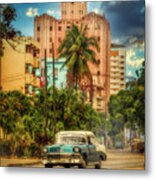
(98, 102)
(51, 28)
(72, 12)
(122, 57)
(98, 38)
(30, 69)
(68, 27)
(26, 89)
(59, 39)
(34, 71)
(98, 73)
(50, 50)
(26, 68)
(59, 28)
(38, 39)
(36, 52)
(50, 39)
(98, 61)
(38, 28)
(28, 48)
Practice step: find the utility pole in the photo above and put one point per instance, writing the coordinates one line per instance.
(45, 93)
(54, 105)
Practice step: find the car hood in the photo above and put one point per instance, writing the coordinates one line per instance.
(63, 148)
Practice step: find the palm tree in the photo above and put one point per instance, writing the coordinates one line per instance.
(77, 49)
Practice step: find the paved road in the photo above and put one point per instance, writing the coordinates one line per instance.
(117, 159)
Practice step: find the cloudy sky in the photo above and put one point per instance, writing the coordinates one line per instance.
(126, 18)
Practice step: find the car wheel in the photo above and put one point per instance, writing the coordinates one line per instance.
(105, 157)
(48, 166)
(67, 166)
(99, 164)
(84, 164)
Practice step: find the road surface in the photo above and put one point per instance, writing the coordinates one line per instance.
(117, 159)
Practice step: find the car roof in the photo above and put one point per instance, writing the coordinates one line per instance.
(86, 133)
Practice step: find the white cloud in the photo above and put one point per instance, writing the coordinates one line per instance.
(31, 12)
(112, 2)
(129, 73)
(97, 11)
(55, 13)
(135, 53)
(135, 63)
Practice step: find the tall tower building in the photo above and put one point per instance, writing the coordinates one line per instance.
(73, 10)
(48, 29)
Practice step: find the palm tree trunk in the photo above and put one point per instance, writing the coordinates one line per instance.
(76, 82)
(0, 73)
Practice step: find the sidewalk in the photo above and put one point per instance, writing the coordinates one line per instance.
(13, 162)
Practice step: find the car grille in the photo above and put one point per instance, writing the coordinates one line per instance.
(61, 156)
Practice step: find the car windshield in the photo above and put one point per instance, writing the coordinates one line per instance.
(71, 140)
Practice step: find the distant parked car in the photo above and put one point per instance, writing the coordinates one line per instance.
(75, 148)
(119, 145)
(137, 145)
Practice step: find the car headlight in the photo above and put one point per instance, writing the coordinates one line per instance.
(76, 149)
(45, 150)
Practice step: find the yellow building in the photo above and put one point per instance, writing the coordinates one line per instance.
(19, 64)
(117, 68)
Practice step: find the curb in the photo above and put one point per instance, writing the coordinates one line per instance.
(23, 164)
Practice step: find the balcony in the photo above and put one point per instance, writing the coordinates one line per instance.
(36, 82)
(117, 69)
(36, 63)
(115, 80)
(114, 63)
(29, 59)
(28, 78)
(115, 86)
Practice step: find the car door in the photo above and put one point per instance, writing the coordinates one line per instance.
(95, 154)
(91, 150)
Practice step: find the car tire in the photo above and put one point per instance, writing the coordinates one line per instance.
(105, 157)
(67, 166)
(99, 164)
(48, 166)
(84, 164)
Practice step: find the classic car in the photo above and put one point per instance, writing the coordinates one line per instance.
(137, 145)
(75, 148)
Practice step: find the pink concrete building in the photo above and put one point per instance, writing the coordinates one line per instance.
(48, 29)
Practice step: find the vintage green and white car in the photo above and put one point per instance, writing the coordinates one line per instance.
(75, 148)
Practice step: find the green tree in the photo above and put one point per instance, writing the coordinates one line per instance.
(127, 108)
(7, 31)
(77, 49)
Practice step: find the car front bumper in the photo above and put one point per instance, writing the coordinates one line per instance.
(63, 159)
